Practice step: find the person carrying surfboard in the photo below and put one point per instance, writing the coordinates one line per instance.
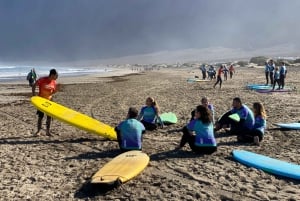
(203, 141)
(244, 123)
(130, 131)
(256, 134)
(47, 87)
(150, 114)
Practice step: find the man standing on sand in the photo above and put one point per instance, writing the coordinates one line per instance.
(282, 72)
(271, 71)
(47, 87)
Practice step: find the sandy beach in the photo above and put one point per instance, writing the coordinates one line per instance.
(60, 167)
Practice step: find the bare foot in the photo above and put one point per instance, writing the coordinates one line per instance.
(38, 133)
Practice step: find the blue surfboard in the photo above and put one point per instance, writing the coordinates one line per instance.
(267, 164)
(294, 126)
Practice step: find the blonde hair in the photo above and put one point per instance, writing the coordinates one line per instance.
(259, 110)
(153, 103)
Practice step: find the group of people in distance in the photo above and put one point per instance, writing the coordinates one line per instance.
(223, 70)
(276, 75)
(199, 133)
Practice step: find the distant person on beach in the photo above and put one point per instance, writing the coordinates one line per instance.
(199, 132)
(130, 131)
(225, 71)
(231, 71)
(205, 103)
(149, 115)
(267, 72)
(211, 72)
(276, 78)
(219, 76)
(282, 72)
(245, 123)
(47, 87)
(203, 70)
(271, 70)
(31, 77)
(256, 134)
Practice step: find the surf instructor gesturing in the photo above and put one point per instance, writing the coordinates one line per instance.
(47, 87)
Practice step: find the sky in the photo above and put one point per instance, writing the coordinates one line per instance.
(69, 30)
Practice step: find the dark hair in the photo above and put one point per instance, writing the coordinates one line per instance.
(205, 114)
(132, 112)
(237, 99)
(53, 72)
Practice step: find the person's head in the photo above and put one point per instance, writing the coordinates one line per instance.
(204, 101)
(271, 61)
(202, 113)
(237, 103)
(132, 113)
(282, 63)
(150, 101)
(53, 74)
(276, 68)
(258, 109)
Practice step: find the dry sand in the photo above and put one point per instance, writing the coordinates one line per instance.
(60, 167)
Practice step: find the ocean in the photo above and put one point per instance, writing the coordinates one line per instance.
(13, 73)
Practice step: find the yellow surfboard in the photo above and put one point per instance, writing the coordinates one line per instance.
(73, 118)
(122, 168)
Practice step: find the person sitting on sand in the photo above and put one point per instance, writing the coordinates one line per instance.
(256, 134)
(202, 140)
(205, 103)
(47, 87)
(149, 115)
(219, 76)
(245, 123)
(129, 132)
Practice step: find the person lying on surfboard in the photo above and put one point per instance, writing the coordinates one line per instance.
(245, 122)
(149, 114)
(129, 132)
(47, 87)
(205, 103)
(203, 141)
(256, 134)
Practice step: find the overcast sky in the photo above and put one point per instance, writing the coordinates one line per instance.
(66, 30)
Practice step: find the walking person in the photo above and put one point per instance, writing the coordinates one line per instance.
(219, 77)
(47, 87)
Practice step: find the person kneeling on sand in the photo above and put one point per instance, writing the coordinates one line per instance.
(245, 122)
(130, 131)
(149, 115)
(256, 134)
(203, 141)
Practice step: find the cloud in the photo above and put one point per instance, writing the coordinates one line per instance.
(74, 30)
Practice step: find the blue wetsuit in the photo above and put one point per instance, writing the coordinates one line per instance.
(130, 134)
